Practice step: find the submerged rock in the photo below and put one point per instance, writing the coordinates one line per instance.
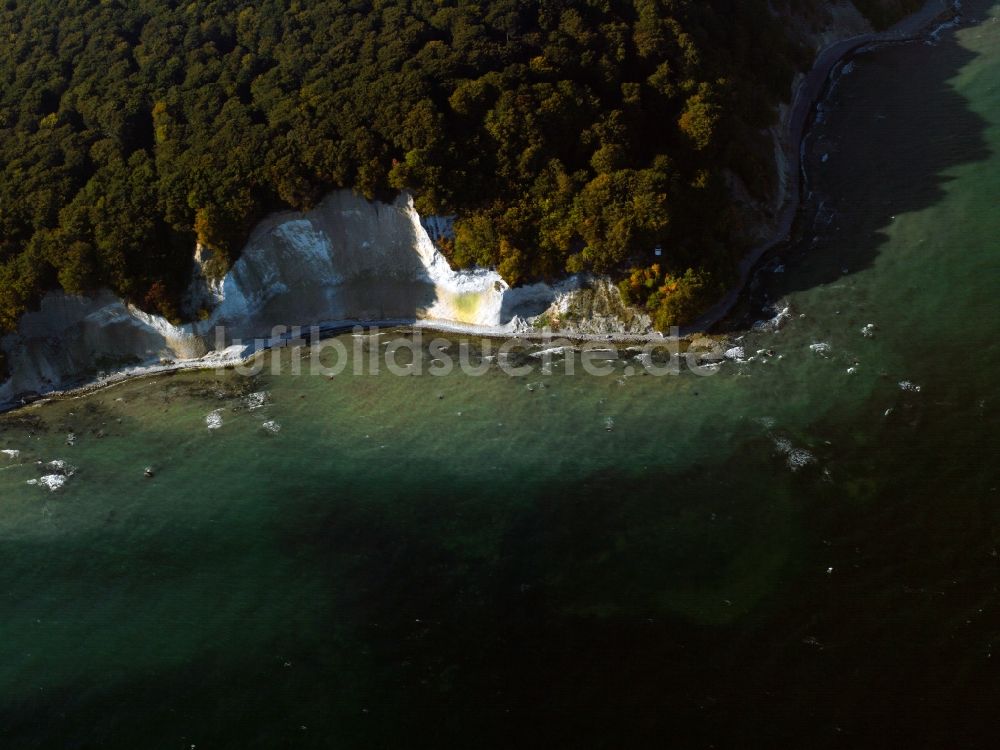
(798, 458)
(256, 400)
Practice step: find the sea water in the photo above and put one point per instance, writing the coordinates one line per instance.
(800, 549)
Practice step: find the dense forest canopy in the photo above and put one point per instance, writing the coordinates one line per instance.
(568, 136)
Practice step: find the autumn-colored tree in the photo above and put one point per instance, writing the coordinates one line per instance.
(130, 131)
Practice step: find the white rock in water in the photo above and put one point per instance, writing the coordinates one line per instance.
(821, 348)
(869, 330)
(214, 420)
(52, 481)
(13, 455)
(256, 400)
(736, 353)
(550, 352)
(271, 426)
(906, 385)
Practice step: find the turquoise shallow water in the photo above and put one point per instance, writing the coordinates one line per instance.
(781, 554)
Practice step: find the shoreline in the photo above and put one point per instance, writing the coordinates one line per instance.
(238, 355)
(811, 91)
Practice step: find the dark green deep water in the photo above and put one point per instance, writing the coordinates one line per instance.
(469, 562)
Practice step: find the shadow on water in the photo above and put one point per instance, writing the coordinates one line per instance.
(894, 128)
(436, 613)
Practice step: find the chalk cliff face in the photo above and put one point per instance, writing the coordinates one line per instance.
(347, 260)
(70, 339)
(351, 259)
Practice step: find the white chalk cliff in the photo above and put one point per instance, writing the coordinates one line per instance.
(347, 260)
